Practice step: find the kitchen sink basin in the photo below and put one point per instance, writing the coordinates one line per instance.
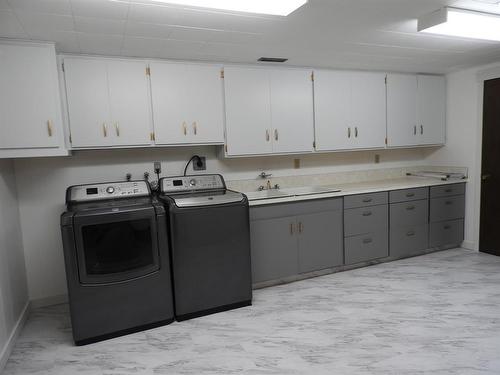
(309, 190)
(266, 194)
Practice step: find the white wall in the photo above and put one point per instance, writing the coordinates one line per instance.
(42, 183)
(13, 288)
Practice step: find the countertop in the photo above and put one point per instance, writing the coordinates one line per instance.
(361, 188)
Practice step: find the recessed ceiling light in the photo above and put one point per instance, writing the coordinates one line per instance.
(461, 23)
(272, 7)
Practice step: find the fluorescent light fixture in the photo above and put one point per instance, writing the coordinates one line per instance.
(461, 23)
(272, 7)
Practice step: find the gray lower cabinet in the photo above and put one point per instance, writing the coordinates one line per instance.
(288, 239)
(366, 227)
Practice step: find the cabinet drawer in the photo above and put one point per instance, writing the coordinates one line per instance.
(366, 247)
(446, 233)
(408, 195)
(408, 240)
(365, 220)
(447, 190)
(364, 200)
(409, 213)
(447, 208)
(295, 208)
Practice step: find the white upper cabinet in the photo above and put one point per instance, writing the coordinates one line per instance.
(431, 113)
(416, 110)
(402, 110)
(108, 102)
(350, 110)
(268, 111)
(187, 103)
(30, 105)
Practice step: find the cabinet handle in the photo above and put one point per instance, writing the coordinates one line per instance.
(49, 128)
(415, 130)
(104, 129)
(367, 240)
(267, 135)
(447, 227)
(195, 128)
(409, 195)
(421, 129)
(410, 208)
(356, 131)
(292, 229)
(367, 200)
(367, 213)
(276, 134)
(117, 128)
(301, 227)
(448, 203)
(184, 128)
(349, 132)
(448, 190)
(410, 233)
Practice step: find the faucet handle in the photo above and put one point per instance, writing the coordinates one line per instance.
(265, 175)
(276, 186)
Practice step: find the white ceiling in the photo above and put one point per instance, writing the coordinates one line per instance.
(359, 34)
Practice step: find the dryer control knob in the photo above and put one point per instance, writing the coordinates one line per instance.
(110, 190)
(192, 182)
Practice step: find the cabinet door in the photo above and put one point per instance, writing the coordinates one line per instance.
(368, 109)
(320, 241)
(206, 107)
(88, 102)
(332, 100)
(130, 106)
(402, 110)
(292, 114)
(274, 248)
(30, 110)
(169, 90)
(431, 109)
(248, 111)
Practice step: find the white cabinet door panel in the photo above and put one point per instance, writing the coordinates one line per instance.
(432, 109)
(402, 110)
(248, 111)
(88, 102)
(292, 114)
(368, 109)
(30, 108)
(130, 107)
(332, 101)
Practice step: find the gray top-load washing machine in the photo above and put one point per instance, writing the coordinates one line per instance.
(116, 253)
(210, 245)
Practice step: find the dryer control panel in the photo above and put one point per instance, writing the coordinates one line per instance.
(111, 190)
(192, 183)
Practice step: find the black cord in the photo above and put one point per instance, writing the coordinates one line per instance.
(189, 162)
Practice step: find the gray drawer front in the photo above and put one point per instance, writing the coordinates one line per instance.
(408, 195)
(408, 240)
(409, 213)
(446, 233)
(295, 208)
(364, 200)
(447, 190)
(447, 208)
(365, 220)
(366, 247)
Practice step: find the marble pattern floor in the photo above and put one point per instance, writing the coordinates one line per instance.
(433, 314)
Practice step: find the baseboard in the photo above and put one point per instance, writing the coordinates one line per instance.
(469, 245)
(49, 301)
(9, 345)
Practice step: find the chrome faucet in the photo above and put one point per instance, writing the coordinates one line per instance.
(265, 175)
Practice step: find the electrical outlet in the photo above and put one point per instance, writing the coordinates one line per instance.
(200, 165)
(377, 158)
(296, 163)
(157, 167)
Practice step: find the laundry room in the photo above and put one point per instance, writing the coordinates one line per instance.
(285, 186)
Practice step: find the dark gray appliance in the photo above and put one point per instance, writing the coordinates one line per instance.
(116, 253)
(210, 245)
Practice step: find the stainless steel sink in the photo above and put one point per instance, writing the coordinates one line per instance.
(309, 190)
(266, 194)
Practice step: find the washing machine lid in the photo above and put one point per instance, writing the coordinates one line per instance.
(208, 198)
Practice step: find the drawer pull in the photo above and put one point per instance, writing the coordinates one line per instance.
(410, 208)
(291, 229)
(367, 200)
(410, 233)
(447, 227)
(448, 190)
(448, 203)
(367, 213)
(409, 195)
(367, 240)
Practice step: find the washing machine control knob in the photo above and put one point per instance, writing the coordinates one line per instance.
(110, 190)
(192, 182)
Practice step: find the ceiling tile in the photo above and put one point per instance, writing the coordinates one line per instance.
(99, 25)
(211, 35)
(44, 6)
(147, 30)
(100, 44)
(4, 5)
(133, 46)
(36, 24)
(66, 41)
(100, 8)
(153, 14)
(10, 27)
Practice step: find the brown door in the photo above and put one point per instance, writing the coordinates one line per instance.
(490, 171)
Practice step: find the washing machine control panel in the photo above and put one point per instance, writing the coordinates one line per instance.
(93, 192)
(190, 183)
